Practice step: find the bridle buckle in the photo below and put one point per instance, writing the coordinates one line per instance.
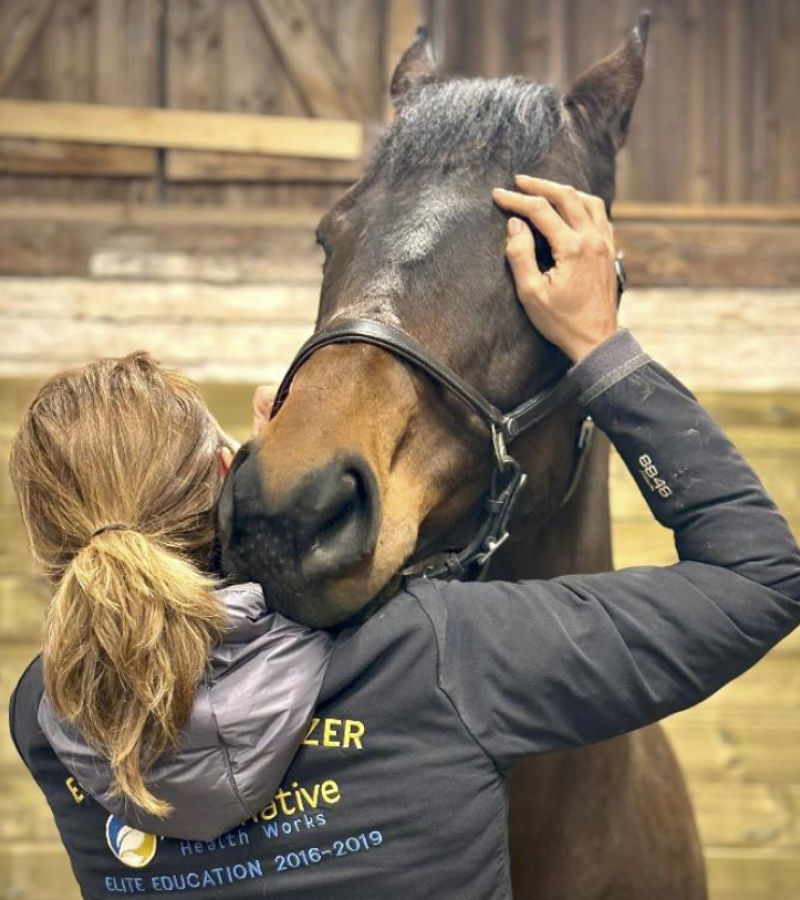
(492, 546)
(499, 447)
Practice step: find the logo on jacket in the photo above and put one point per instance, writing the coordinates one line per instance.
(131, 847)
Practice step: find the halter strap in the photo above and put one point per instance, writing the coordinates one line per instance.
(510, 425)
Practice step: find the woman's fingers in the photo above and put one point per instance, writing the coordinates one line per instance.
(521, 255)
(539, 211)
(596, 208)
(564, 197)
(263, 398)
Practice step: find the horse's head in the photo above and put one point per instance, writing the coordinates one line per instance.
(369, 463)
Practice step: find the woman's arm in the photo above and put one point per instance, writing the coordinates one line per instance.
(545, 665)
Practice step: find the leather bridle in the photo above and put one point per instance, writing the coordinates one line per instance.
(508, 478)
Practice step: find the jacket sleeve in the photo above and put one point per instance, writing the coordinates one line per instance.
(547, 665)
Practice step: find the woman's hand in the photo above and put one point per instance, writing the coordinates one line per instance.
(574, 304)
(263, 398)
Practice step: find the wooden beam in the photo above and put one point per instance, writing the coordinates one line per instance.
(728, 212)
(308, 58)
(758, 252)
(181, 129)
(22, 157)
(184, 165)
(20, 23)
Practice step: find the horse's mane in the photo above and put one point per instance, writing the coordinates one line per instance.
(477, 125)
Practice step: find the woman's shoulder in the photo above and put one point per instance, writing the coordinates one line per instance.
(23, 709)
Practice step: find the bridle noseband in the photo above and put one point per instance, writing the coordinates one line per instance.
(508, 478)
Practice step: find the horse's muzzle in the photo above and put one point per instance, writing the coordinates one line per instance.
(325, 525)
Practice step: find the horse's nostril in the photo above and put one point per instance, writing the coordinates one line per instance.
(340, 510)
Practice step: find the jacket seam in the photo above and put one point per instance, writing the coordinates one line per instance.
(611, 378)
(227, 759)
(444, 690)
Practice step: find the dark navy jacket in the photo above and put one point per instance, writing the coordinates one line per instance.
(399, 789)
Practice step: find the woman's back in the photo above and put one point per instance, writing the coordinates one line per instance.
(383, 799)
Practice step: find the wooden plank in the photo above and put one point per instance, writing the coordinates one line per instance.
(739, 409)
(217, 350)
(720, 311)
(193, 54)
(128, 302)
(355, 32)
(766, 362)
(753, 874)
(659, 253)
(710, 255)
(15, 557)
(730, 749)
(183, 165)
(181, 129)
(308, 57)
(533, 40)
(114, 214)
(31, 871)
(24, 813)
(253, 79)
(23, 602)
(49, 158)
(110, 47)
(558, 74)
(729, 212)
(786, 133)
(20, 23)
(265, 256)
(747, 815)
(67, 55)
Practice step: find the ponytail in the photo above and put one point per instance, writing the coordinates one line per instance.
(126, 644)
(129, 631)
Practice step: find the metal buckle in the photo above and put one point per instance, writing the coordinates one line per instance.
(500, 449)
(492, 546)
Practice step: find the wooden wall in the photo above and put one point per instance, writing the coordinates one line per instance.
(208, 260)
(717, 120)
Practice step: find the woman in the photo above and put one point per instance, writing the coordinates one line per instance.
(399, 787)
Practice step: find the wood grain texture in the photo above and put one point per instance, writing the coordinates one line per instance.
(738, 874)
(53, 158)
(187, 166)
(308, 57)
(20, 24)
(670, 247)
(185, 129)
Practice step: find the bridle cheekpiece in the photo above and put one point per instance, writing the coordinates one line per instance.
(508, 479)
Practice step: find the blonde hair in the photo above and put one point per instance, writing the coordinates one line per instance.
(117, 470)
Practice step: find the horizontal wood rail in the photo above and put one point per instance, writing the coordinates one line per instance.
(182, 129)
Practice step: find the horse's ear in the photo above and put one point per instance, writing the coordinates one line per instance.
(603, 97)
(415, 68)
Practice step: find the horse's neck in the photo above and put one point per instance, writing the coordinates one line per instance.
(577, 538)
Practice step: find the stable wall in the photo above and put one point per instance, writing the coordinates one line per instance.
(222, 277)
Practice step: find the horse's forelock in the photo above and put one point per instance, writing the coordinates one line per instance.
(475, 126)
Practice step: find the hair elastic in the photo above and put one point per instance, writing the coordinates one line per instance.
(114, 527)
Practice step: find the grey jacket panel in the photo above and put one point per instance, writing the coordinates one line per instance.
(250, 716)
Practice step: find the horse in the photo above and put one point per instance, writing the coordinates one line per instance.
(371, 465)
